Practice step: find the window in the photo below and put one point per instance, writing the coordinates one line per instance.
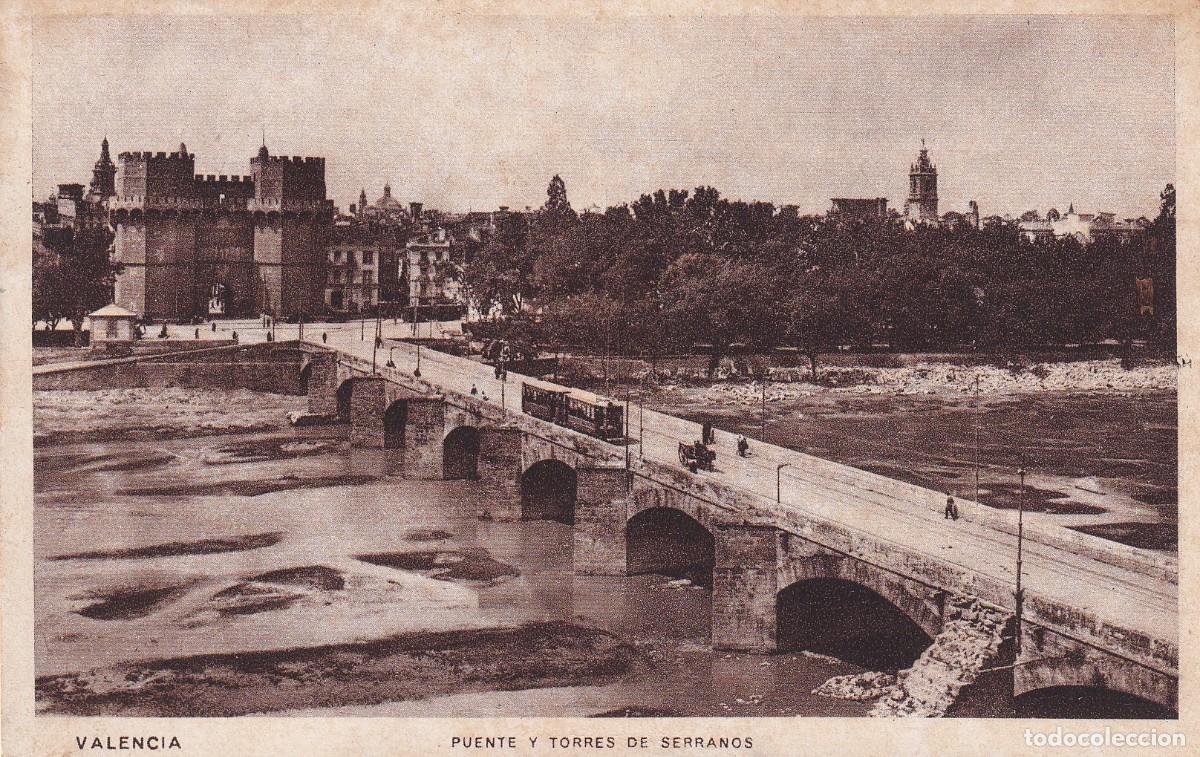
(337, 256)
(110, 328)
(368, 257)
(368, 279)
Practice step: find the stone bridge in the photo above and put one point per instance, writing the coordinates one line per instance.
(1095, 616)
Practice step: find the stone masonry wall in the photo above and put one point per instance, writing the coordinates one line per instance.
(366, 412)
(500, 471)
(601, 510)
(745, 582)
(323, 384)
(423, 439)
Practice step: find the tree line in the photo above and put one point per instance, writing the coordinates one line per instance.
(676, 268)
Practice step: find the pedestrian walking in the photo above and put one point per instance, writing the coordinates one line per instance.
(474, 390)
(325, 337)
(197, 333)
(214, 327)
(951, 508)
(743, 446)
(706, 432)
(235, 337)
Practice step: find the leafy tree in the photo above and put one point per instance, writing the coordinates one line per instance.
(718, 301)
(557, 211)
(73, 274)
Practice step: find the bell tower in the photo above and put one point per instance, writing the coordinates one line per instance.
(104, 175)
(922, 203)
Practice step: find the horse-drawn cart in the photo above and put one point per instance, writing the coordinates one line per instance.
(696, 457)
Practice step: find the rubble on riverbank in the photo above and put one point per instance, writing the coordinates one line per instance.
(942, 379)
(160, 413)
(859, 687)
(970, 640)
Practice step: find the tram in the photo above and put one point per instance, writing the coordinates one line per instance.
(600, 419)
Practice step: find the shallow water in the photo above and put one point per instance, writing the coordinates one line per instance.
(245, 542)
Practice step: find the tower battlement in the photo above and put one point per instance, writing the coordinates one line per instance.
(223, 179)
(258, 238)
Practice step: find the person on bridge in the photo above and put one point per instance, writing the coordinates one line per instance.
(743, 446)
(951, 508)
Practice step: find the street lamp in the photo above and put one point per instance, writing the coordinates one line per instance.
(763, 418)
(1020, 595)
(417, 372)
(779, 481)
(976, 437)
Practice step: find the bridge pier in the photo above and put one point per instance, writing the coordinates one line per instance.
(500, 471)
(745, 582)
(424, 427)
(368, 402)
(322, 383)
(601, 510)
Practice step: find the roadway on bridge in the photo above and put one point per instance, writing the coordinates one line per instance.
(1120, 596)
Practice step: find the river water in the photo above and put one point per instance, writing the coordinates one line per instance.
(143, 549)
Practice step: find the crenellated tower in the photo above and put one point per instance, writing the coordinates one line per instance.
(194, 244)
(922, 203)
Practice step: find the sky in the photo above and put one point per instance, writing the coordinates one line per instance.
(472, 113)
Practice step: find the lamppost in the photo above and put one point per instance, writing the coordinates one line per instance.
(763, 417)
(1020, 595)
(301, 336)
(976, 437)
(641, 425)
(779, 481)
(374, 350)
(417, 371)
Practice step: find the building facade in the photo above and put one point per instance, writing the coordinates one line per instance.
(863, 209)
(363, 266)
(922, 203)
(196, 245)
(1083, 227)
(430, 270)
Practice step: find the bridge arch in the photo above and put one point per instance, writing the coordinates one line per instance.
(669, 542)
(548, 491)
(344, 393)
(395, 419)
(1088, 701)
(460, 453)
(850, 621)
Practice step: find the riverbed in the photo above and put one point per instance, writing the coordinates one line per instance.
(1101, 462)
(280, 571)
